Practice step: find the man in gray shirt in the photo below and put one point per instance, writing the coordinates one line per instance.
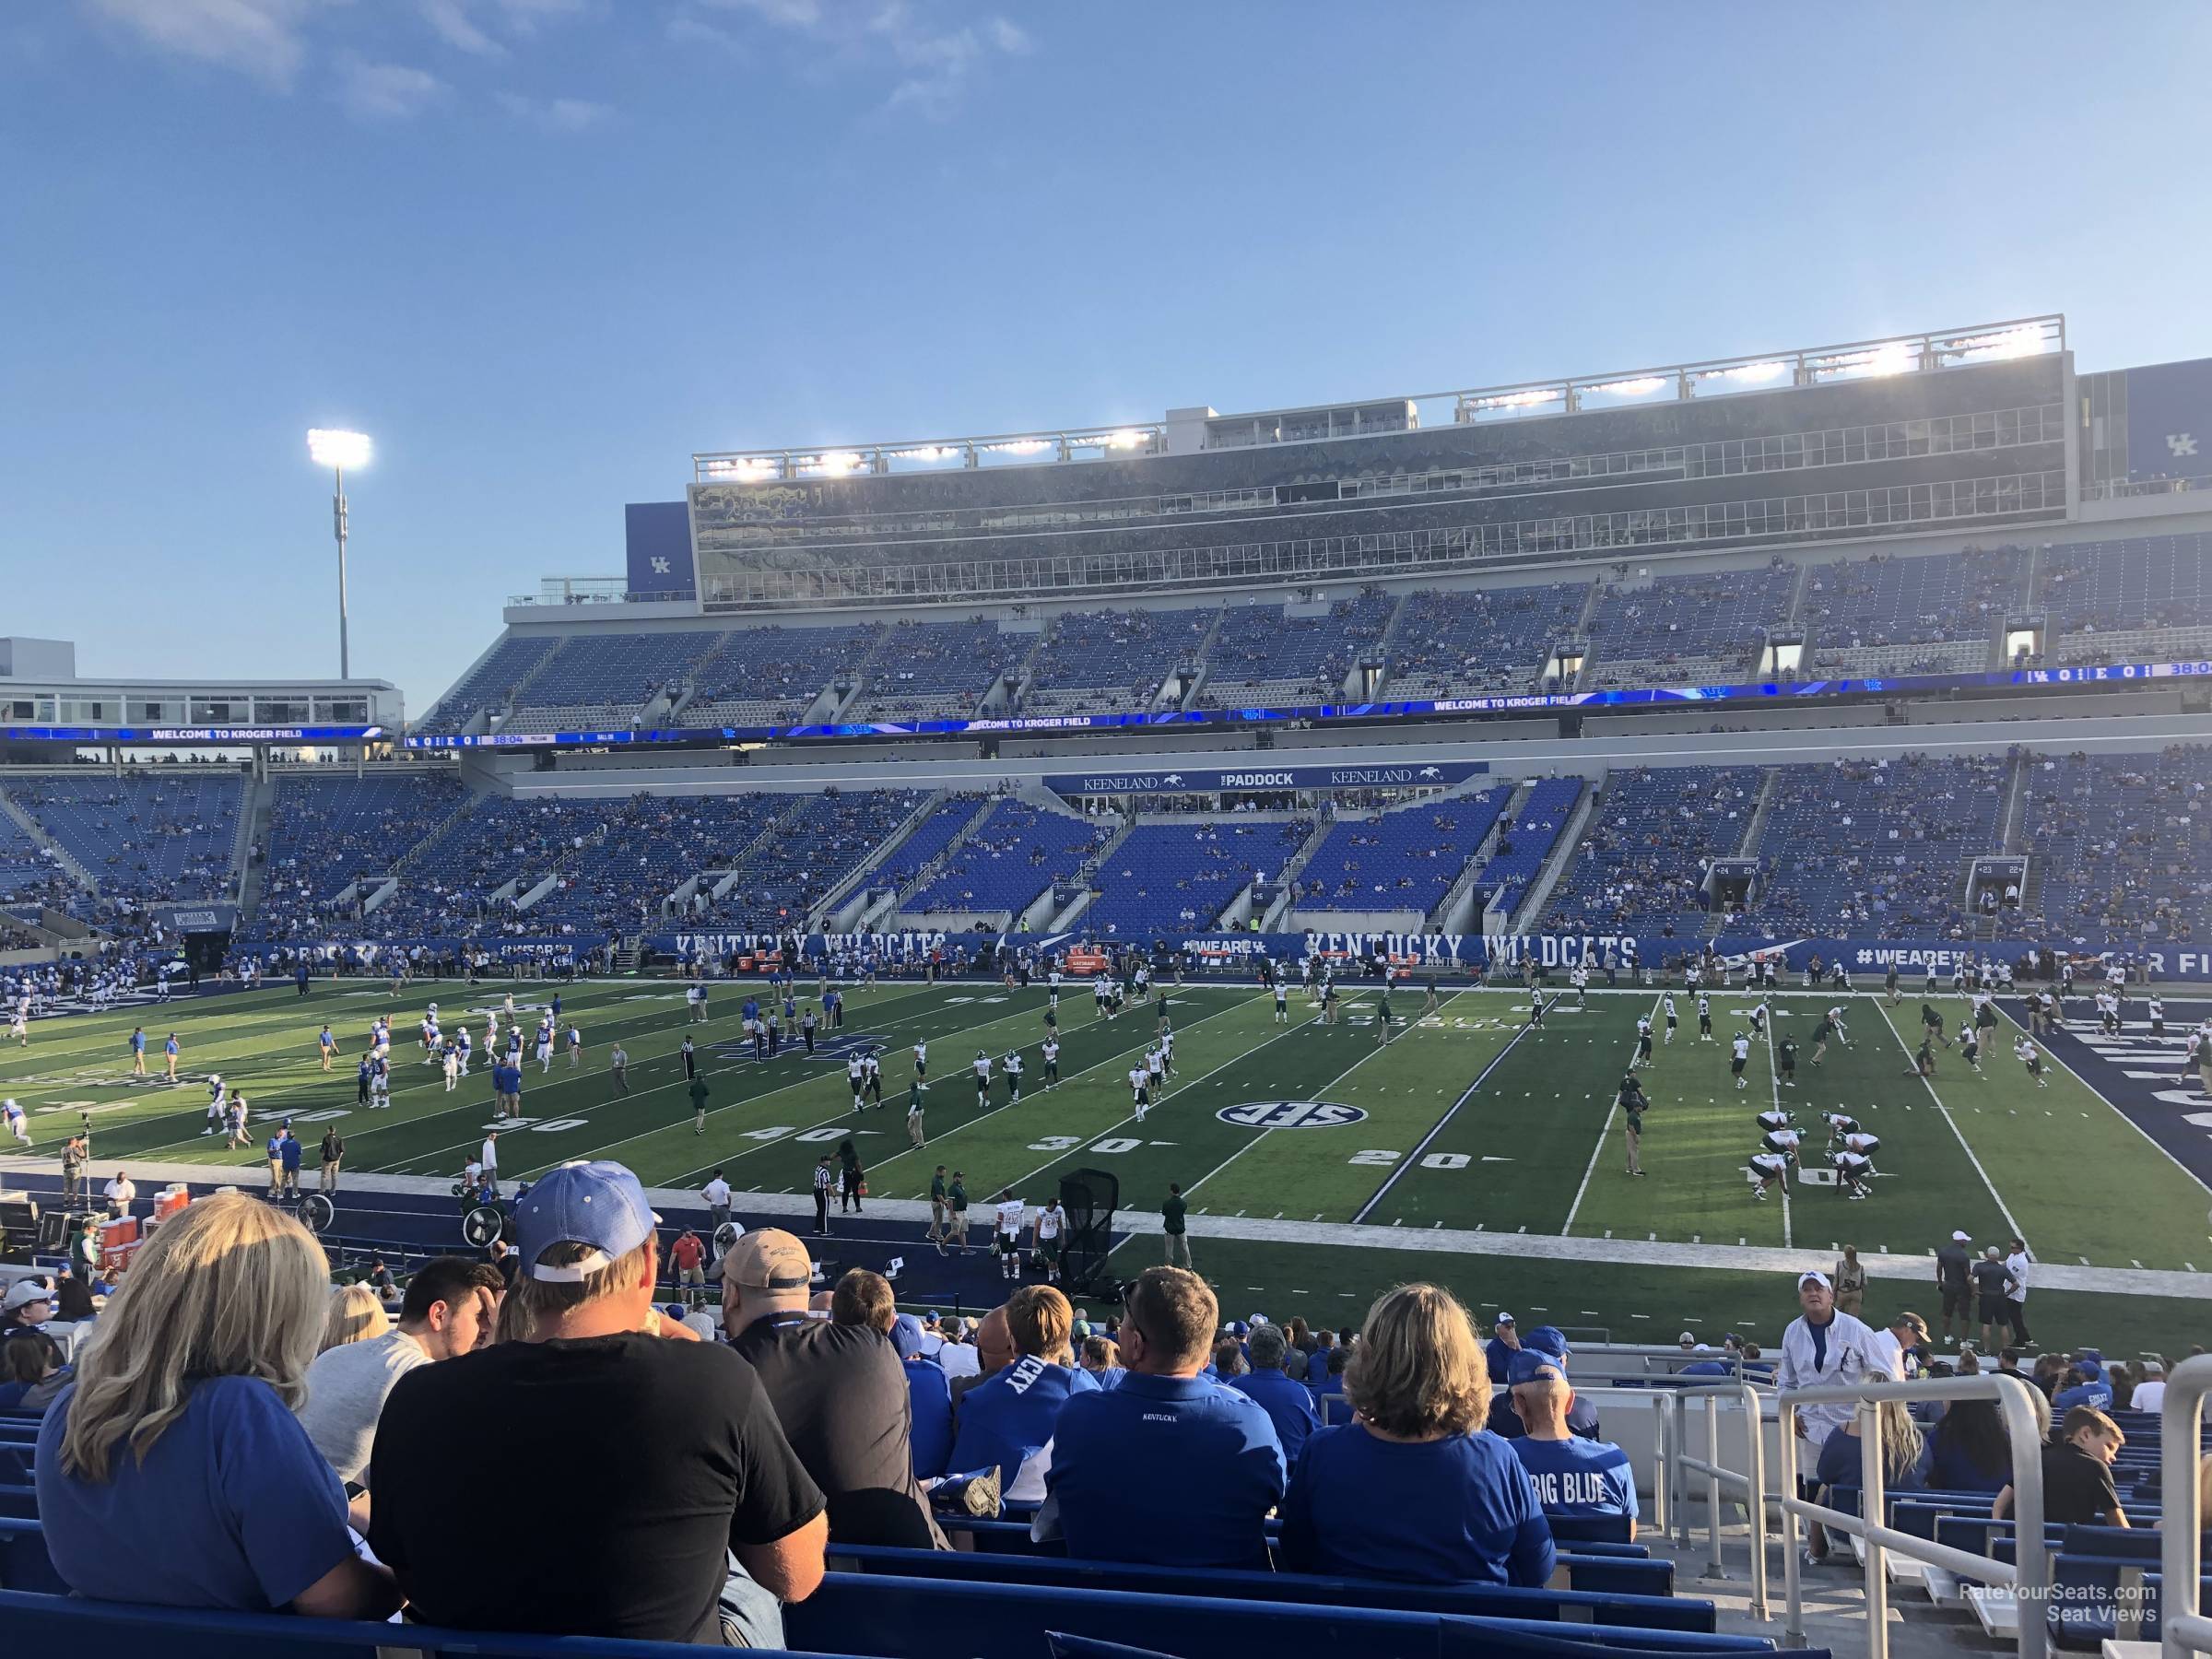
(450, 1308)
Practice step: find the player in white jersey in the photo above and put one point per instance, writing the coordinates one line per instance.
(1782, 1143)
(1013, 1215)
(1579, 979)
(545, 1047)
(1840, 1124)
(1835, 1017)
(1155, 1072)
(462, 1049)
(1167, 1051)
(1768, 1169)
(19, 1027)
(215, 1105)
(1853, 1170)
(1643, 1041)
(450, 1055)
(1138, 1081)
(18, 1124)
(2156, 1008)
(856, 1074)
(1282, 1000)
(1051, 1222)
(1666, 1006)
(1704, 1017)
(921, 1065)
(2029, 1055)
(1739, 1050)
(1865, 1145)
(379, 1084)
(1011, 1066)
(1759, 1019)
(1773, 1118)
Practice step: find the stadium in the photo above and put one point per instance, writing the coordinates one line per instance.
(1566, 1016)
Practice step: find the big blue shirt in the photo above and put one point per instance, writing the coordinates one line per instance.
(1578, 1476)
(1288, 1405)
(929, 1395)
(1170, 1471)
(1456, 1511)
(231, 1508)
(1008, 1419)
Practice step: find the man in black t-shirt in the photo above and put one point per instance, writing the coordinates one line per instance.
(839, 1390)
(2077, 1473)
(1952, 1263)
(639, 1458)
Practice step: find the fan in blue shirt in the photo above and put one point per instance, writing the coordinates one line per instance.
(1168, 1468)
(1414, 1489)
(1006, 1422)
(1573, 1476)
(929, 1396)
(1288, 1405)
(2090, 1389)
(219, 1500)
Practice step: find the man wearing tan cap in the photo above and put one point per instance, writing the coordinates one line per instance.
(839, 1391)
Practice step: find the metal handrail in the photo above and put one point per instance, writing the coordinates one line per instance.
(2029, 1573)
(2183, 1626)
(1675, 1462)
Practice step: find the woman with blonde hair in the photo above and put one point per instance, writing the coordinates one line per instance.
(356, 1315)
(1415, 1486)
(172, 1470)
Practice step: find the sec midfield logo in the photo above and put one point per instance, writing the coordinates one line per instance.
(1290, 1115)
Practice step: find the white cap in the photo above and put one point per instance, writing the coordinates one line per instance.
(1815, 1276)
(1959, 1238)
(1503, 1319)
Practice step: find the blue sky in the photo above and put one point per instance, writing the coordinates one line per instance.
(543, 250)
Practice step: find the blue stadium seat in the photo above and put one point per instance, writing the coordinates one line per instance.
(24, 1563)
(1607, 1590)
(950, 1618)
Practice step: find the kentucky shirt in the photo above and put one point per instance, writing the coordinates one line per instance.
(1169, 1471)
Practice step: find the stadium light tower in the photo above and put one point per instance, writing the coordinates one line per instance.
(339, 451)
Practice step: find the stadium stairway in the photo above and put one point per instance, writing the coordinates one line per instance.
(61, 854)
(857, 878)
(1538, 894)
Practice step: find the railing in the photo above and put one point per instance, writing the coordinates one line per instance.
(2030, 1575)
(2183, 1629)
(1675, 1462)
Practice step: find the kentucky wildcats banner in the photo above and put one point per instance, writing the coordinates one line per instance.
(1622, 954)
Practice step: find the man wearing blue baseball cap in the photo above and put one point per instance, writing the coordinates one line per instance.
(654, 1459)
(1573, 1476)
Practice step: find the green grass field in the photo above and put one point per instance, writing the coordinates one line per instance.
(1468, 1122)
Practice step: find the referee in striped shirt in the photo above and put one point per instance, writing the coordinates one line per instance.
(823, 1181)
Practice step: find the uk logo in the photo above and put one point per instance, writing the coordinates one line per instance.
(2181, 444)
(660, 567)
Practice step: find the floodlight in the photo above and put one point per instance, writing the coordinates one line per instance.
(344, 451)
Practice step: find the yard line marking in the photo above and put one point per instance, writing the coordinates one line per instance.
(1603, 1130)
(1234, 1060)
(846, 1116)
(1904, 1048)
(1774, 1075)
(2051, 1054)
(1263, 1134)
(1414, 1158)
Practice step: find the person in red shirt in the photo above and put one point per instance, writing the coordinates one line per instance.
(689, 1258)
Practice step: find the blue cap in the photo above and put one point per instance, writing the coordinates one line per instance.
(906, 1334)
(598, 1203)
(1237, 1327)
(1547, 1339)
(1528, 1366)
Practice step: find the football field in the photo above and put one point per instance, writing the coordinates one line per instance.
(1466, 1120)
